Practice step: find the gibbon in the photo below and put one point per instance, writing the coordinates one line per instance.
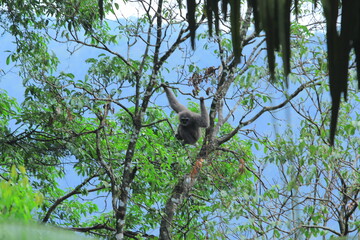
(190, 122)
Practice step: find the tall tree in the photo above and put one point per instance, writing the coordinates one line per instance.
(274, 18)
(102, 125)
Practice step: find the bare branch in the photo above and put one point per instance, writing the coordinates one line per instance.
(63, 198)
(321, 227)
(267, 109)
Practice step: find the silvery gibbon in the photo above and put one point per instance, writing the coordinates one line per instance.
(190, 122)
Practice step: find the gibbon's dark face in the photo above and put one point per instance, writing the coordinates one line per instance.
(184, 121)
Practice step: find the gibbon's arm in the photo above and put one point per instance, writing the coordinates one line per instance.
(174, 104)
(203, 120)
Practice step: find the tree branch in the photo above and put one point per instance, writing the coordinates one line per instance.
(129, 234)
(63, 198)
(180, 192)
(321, 227)
(267, 109)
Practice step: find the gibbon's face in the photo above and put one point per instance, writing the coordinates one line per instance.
(185, 119)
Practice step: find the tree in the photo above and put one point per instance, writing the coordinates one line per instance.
(274, 18)
(108, 124)
(315, 194)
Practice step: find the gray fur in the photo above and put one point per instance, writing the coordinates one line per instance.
(190, 122)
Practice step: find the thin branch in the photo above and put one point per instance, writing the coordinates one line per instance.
(321, 227)
(95, 227)
(154, 123)
(106, 48)
(63, 198)
(267, 109)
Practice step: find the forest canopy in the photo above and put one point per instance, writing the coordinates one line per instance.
(274, 18)
(88, 140)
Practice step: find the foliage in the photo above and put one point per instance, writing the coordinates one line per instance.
(274, 18)
(98, 140)
(17, 198)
